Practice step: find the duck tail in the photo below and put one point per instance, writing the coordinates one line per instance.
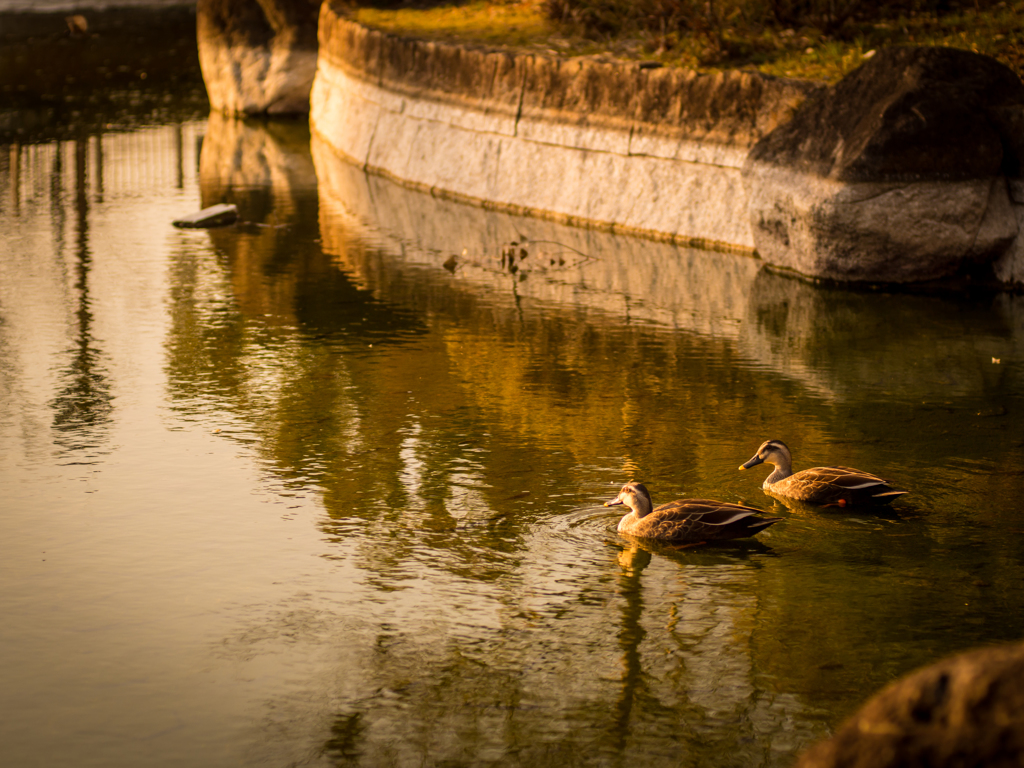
(760, 523)
(889, 495)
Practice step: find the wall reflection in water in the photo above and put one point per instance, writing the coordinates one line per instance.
(455, 413)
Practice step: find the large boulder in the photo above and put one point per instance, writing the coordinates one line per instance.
(967, 710)
(897, 173)
(258, 56)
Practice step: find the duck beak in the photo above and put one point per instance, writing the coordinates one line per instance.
(616, 502)
(753, 462)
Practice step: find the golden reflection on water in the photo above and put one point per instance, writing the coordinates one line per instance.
(347, 507)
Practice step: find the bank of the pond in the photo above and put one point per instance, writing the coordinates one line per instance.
(587, 142)
(666, 153)
(135, 63)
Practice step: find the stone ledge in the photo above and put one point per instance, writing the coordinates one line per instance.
(670, 153)
(569, 182)
(653, 152)
(735, 108)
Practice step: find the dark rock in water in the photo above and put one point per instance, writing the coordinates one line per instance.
(897, 173)
(215, 216)
(967, 710)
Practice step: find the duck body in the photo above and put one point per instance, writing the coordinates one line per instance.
(828, 486)
(686, 521)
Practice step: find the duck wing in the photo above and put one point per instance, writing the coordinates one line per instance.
(836, 485)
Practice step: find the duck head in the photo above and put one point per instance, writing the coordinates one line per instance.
(635, 496)
(773, 452)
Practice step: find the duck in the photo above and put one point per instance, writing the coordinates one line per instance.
(686, 521)
(826, 486)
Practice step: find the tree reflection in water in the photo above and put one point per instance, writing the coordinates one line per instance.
(84, 403)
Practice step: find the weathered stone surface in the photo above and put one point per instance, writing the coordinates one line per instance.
(485, 81)
(884, 232)
(735, 108)
(897, 173)
(448, 153)
(258, 56)
(651, 151)
(964, 711)
(908, 114)
(1009, 267)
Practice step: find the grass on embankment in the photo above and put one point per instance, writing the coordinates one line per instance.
(801, 53)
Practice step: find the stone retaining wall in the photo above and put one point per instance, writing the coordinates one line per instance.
(667, 153)
(648, 151)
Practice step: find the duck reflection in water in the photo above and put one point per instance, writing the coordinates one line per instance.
(686, 521)
(827, 486)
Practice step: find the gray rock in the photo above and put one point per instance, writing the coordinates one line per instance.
(897, 173)
(214, 216)
(967, 710)
(258, 56)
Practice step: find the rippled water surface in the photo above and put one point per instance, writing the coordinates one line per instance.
(324, 488)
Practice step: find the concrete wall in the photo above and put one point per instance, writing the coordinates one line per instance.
(656, 152)
(660, 152)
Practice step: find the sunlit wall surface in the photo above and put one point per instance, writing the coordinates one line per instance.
(324, 487)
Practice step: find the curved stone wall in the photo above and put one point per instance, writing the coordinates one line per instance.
(656, 151)
(675, 155)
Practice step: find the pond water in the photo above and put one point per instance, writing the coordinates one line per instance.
(324, 488)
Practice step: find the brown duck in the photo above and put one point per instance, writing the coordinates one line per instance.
(686, 521)
(829, 486)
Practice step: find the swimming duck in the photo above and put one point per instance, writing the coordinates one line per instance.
(830, 486)
(686, 521)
